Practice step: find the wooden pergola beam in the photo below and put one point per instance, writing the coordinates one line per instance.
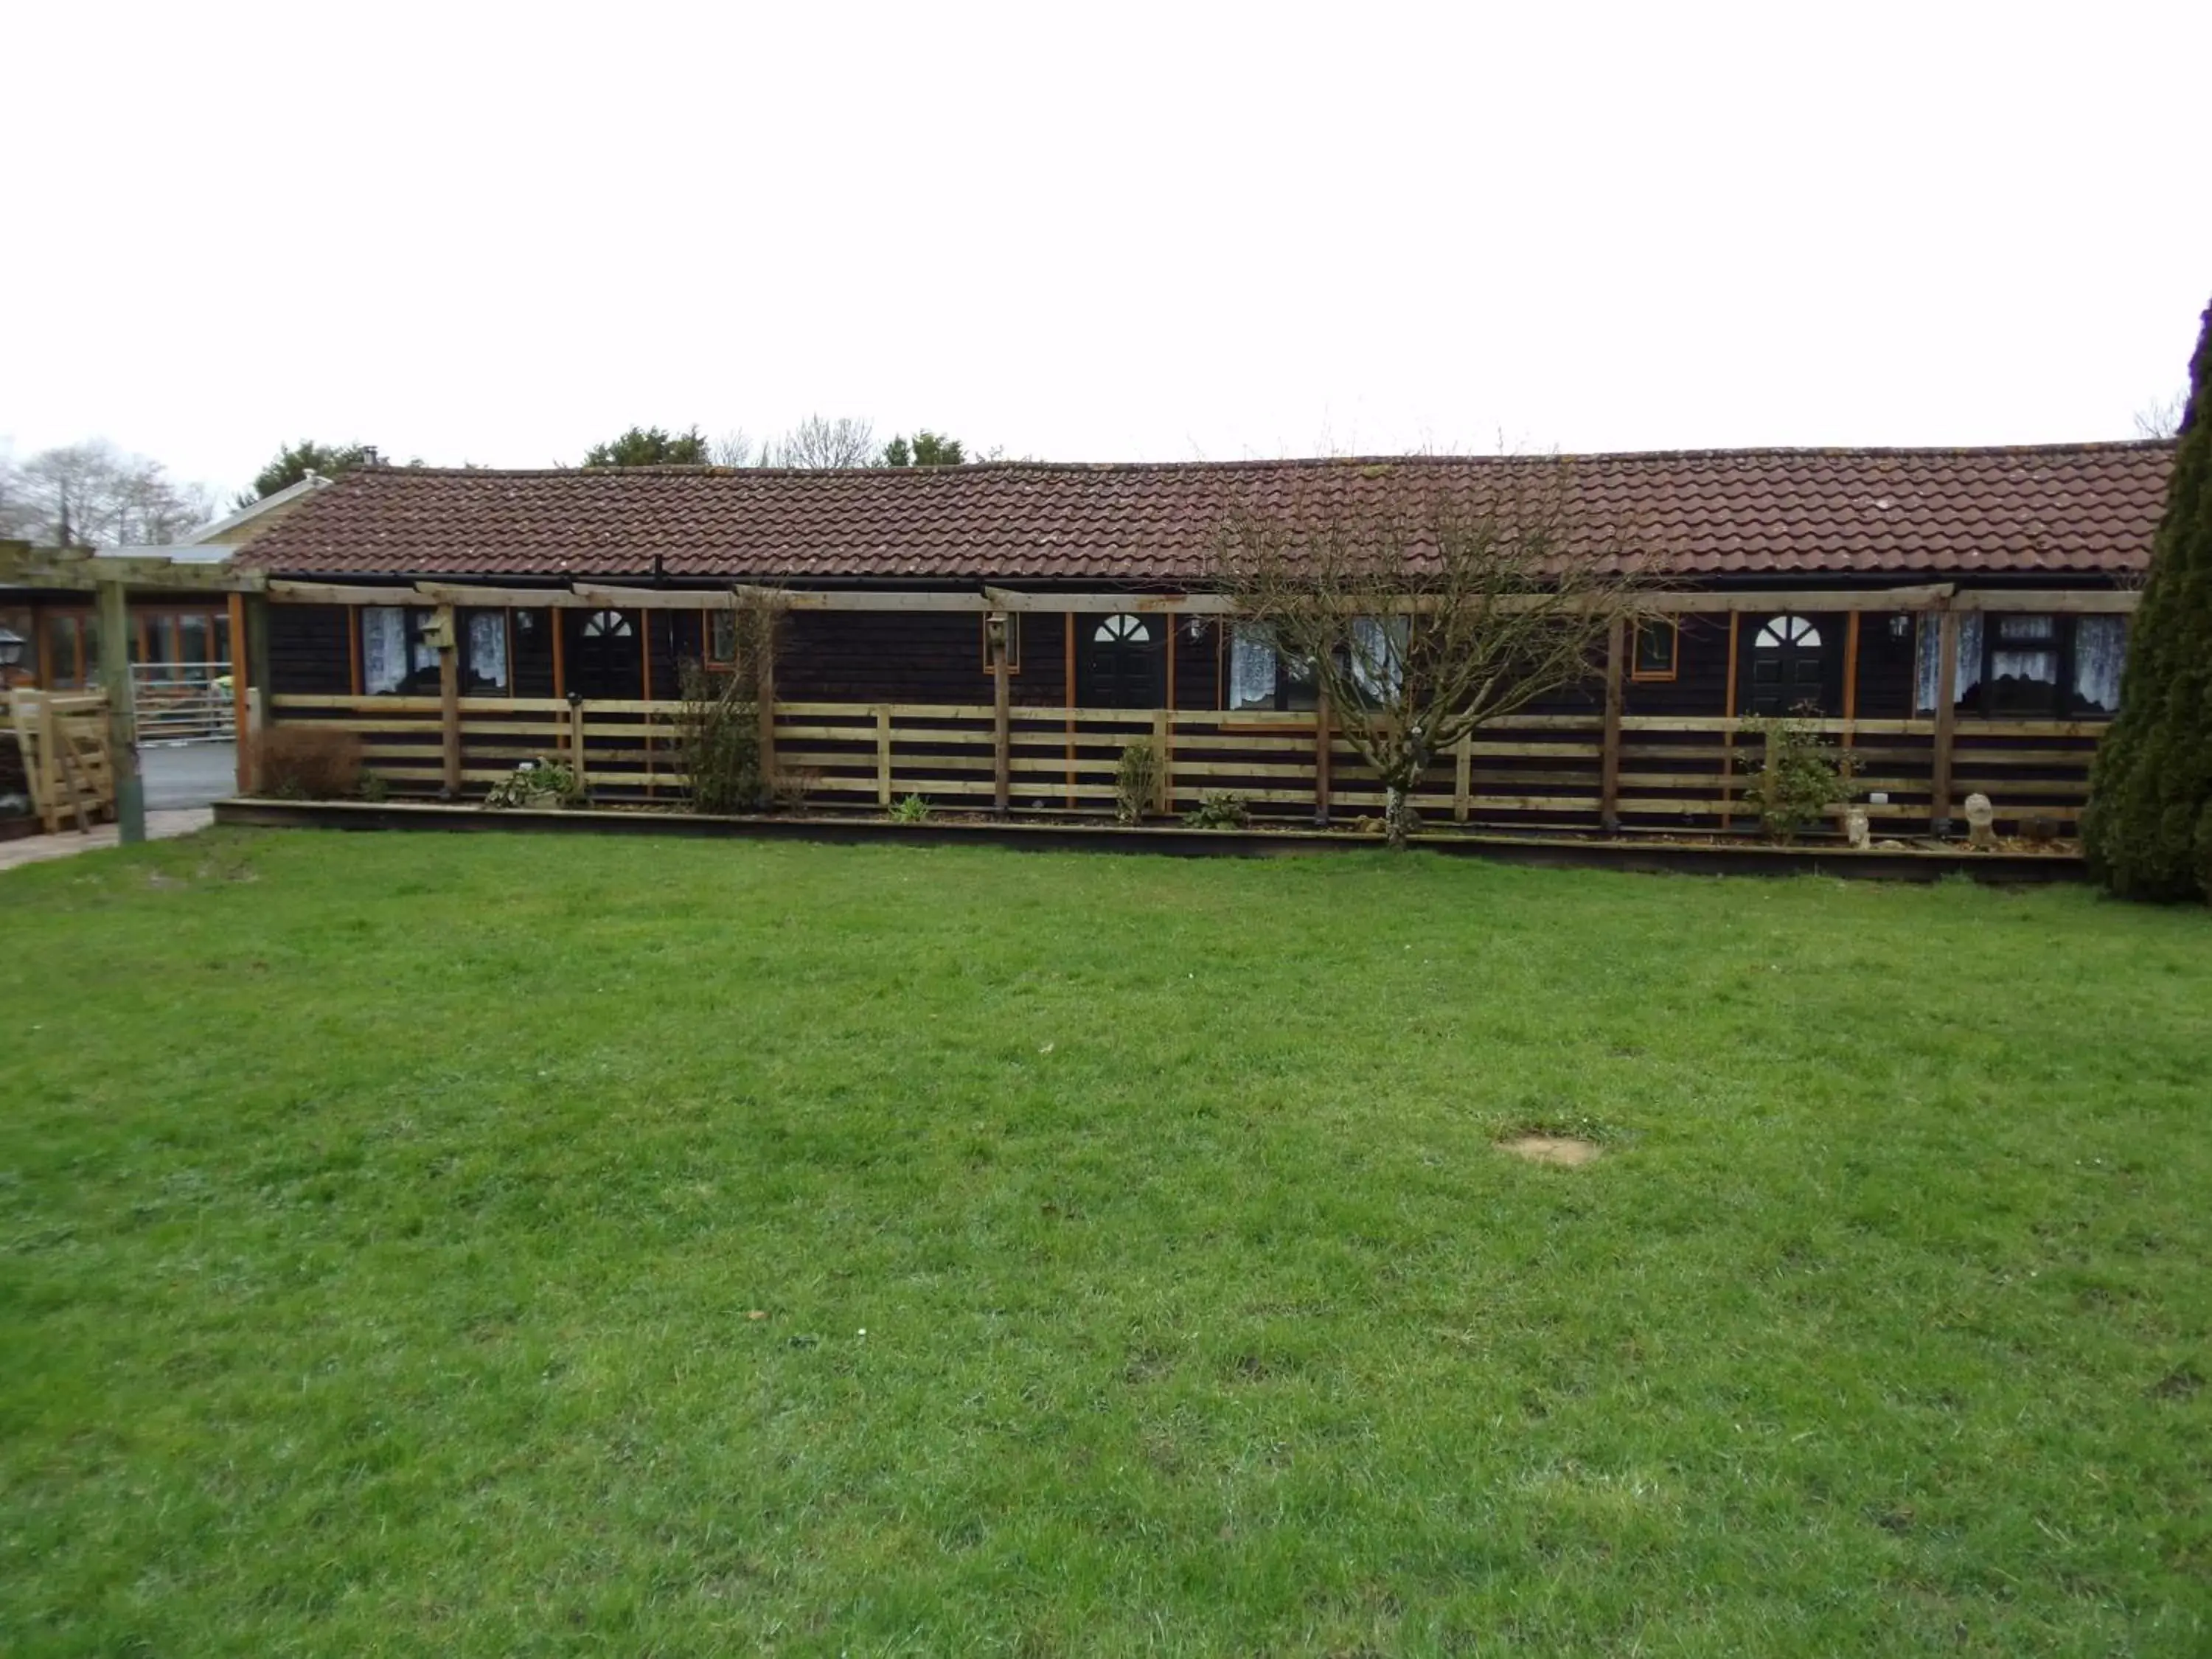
(45, 568)
(1939, 596)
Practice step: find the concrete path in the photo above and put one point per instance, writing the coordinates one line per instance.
(159, 826)
(187, 773)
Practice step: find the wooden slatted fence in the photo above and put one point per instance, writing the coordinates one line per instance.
(1528, 771)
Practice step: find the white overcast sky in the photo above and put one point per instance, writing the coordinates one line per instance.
(496, 234)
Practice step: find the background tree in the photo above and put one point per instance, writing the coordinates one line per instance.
(94, 495)
(2162, 417)
(1421, 619)
(295, 461)
(820, 442)
(651, 446)
(925, 448)
(2149, 826)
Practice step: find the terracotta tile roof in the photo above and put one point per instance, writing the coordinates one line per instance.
(2078, 509)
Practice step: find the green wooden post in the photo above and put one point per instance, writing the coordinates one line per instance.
(122, 712)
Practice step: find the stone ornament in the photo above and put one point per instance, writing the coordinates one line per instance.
(1981, 823)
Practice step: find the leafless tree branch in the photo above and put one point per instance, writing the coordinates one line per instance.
(1422, 616)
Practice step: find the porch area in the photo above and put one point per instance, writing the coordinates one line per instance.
(1665, 740)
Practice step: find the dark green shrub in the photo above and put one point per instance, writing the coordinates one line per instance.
(1801, 779)
(2148, 829)
(717, 724)
(1219, 808)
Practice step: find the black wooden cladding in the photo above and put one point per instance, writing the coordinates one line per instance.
(309, 654)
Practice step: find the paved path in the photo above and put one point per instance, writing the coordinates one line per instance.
(187, 773)
(159, 827)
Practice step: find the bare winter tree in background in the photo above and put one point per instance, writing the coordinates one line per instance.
(1422, 617)
(94, 495)
(820, 442)
(2161, 419)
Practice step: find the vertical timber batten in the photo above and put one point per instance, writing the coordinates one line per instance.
(763, 646)
(883, 756)
(1727, 712)
(1947, 720)
(1002, 750)
(1851, 677)
(122, 712)
(1322, 738)
(1609, 789)
(1071, 709)
(449, 698)
(259, 681)
(1462, 777)
(241, 751)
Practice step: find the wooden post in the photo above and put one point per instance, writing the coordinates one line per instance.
(1071, 710)
(1947, 719)
(122, 711)
(763, 649)
(243, 780)
(1163, 791)
(449, 697)
(1727, 737)
(1851, 677)
(554, 618)
(1164, 728)
(1322, 741)
(883, 756)
(576, 745)
(1463, 777)
(645, 690)
(1002, 752)
(261, 678)
(1608, 775)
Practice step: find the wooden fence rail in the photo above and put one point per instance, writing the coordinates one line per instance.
(1531, 770)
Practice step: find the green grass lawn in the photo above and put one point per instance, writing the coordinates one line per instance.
(498, 1245)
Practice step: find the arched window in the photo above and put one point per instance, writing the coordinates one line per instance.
(1123, 629)
(1788, 669)
(1788, 630)
(605, 625)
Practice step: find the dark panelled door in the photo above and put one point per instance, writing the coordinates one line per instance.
(605, 657)
(1123, 663)
(1789, 667)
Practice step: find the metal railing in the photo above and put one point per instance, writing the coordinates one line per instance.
(184, 702)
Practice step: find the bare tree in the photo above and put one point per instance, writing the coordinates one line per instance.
(820, 442)
(732, 448)
(1420, 615)
(2163, 419)
(92, 494)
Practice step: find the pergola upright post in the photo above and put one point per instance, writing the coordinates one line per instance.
(449, 698)
(243, 749)
(1608, 787)
(122, 711)
(1947, 720)
(1002, 760)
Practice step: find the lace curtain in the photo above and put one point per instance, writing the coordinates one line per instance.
(2101, 650)
(488, 648)
(1969, 674)
(1378, 655)
(1251, 668)
(383, 648)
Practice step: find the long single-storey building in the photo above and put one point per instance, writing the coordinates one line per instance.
(1959, 617)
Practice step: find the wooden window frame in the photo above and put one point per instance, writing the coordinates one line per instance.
(1014, 641)
(1636, 672)
(708, 660)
